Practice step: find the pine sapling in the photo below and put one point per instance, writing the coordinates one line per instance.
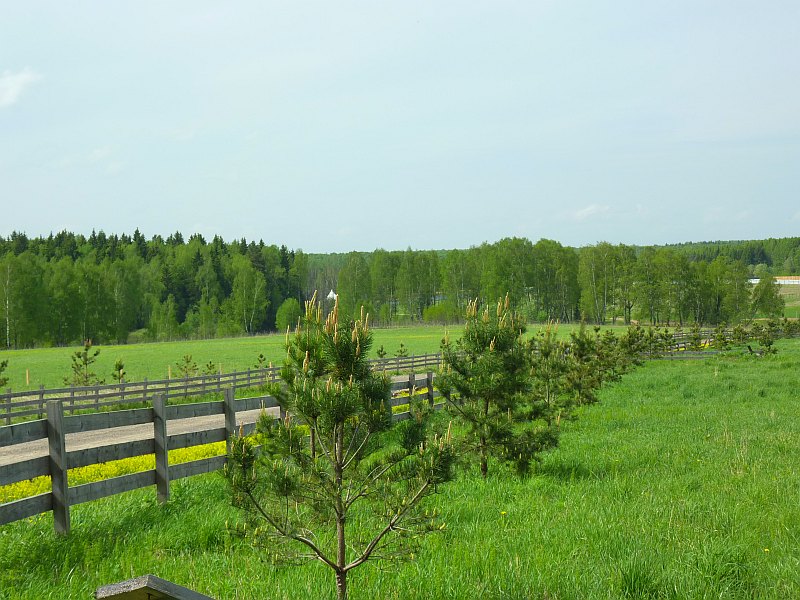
(300, 480)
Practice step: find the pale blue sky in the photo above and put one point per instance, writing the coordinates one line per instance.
(333, 126)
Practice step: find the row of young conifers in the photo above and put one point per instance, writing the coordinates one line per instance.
(337, 482)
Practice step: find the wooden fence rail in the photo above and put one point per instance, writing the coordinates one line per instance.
(32, 403)
(59, 459)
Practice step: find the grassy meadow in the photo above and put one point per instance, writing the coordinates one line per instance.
(681, 483)
(49, 366)
(791, 295)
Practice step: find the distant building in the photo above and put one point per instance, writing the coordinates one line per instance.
(782, 280)
(788, 280)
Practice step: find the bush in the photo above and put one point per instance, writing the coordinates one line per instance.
(443, 313)
(139, 336)
(287, 314)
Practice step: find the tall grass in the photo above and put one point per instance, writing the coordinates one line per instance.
(682, 483)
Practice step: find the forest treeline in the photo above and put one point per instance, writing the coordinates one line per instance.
(66, 288)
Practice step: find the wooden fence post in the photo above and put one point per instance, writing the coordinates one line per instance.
(8, 406)
(429, 384)
(230, 417)
(412, 384)
(161, 450)
(41, 400)
(58, 466)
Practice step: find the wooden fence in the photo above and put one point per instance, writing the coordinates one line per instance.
(59, 458)
(32, 404)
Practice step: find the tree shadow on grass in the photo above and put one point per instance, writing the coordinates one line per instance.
(104, 530)
(570, 470)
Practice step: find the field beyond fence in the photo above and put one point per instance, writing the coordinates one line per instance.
(31, 404)
(28, 404)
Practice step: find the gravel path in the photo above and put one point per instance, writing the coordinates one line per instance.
(117, 435)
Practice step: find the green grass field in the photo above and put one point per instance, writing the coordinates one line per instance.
(49, 366)
(681, 483)
(791, 295)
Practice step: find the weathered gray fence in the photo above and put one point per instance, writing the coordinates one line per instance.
(60, 459)
(29, 404)
(32, 403)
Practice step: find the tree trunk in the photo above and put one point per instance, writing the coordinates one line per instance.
(341, 585)
(484, 462)
(8, 306)
(482, 443)
(341, 547)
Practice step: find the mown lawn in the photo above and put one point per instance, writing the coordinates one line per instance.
(681, 483)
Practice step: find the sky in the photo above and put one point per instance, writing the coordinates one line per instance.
(335, 126)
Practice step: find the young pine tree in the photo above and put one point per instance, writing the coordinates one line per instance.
(551, 364)
(334, 481)
(118, 374)
(565, 374)
(186, 367)
(487, 380)
(82, 361)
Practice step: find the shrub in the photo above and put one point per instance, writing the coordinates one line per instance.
(287, 314)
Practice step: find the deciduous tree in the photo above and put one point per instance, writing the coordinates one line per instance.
(766, 298)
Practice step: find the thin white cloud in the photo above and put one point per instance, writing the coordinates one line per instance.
(592, 210)
(719, 214)
(99, 155)
(102, 158)
(12, 85)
